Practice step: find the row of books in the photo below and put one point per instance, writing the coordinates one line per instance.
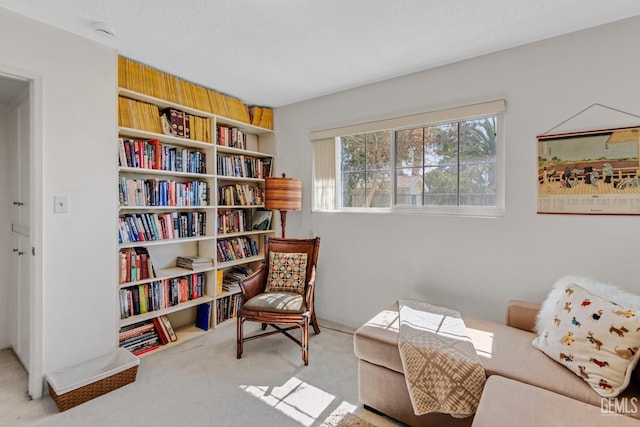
(234, 221)
(239, 166)
(160, 294)
(184, 125)
(239, 221)
(262, 117)
(227, 307)
(157, 192)
(152, 154)
(144, 79)
(231, 137)
(138, 115)
(238, 248)
(193, 262)
(240, 195)
(135, 264)
(148, 227)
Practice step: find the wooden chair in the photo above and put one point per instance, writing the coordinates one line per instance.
(281, 292)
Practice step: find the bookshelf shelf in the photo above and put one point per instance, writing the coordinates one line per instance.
(168, 273)
(164, 208)
(165, 241)
(225, 264)
(226, 294)
(232, 150)
(159, 172)
(152, 169)
(244, 233)
(167, 139)
(238, 179)
(151, 314)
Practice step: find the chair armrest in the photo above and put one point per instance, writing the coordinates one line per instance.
(522, 314)
(253, 284)
(310, 289)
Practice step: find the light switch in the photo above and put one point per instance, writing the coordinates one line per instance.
(60, 204)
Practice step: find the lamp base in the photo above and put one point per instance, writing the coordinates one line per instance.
(283, 222)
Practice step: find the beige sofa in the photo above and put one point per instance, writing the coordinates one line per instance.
(524, 386)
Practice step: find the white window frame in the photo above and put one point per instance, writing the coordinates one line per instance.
(456, 114)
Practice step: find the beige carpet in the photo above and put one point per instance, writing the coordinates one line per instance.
(201, 383)
(360, 418)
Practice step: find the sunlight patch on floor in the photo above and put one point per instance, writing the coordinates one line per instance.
(297, 399)
(338, 414)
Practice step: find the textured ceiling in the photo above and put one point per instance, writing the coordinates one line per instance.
(278, 52)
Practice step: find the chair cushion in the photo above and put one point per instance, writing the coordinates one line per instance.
(287, 272)
(277, 302)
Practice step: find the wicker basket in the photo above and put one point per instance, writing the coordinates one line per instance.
(78, 384)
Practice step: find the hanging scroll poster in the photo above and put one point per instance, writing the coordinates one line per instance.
(592, 172)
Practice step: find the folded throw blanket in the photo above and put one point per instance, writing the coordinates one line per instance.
(441, 367)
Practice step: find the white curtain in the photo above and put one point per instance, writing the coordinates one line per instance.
(324, 174)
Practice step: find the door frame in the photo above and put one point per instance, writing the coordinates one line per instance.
(36, 360)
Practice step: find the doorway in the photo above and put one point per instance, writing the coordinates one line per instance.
(20, 327)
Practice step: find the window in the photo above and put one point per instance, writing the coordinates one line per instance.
(365, 170)
(449, 166)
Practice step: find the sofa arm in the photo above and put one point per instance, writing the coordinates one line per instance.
(522, 314)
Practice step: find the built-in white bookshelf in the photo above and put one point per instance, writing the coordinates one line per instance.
(171, 206)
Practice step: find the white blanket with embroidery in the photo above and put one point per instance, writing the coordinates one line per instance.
(441, 367)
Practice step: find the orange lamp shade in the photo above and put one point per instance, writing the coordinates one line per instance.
(283, 194)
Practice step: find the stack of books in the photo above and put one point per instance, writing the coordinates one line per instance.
(139, 338)
(231, 281)
(194, 263)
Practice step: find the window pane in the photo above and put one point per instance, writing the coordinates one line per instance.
(365, 166)
(478, 184)
(409, 187)
(441, 186)
(441, 144)
(353, 190)
(478, 140)
(409, 148)
(378, 193)
(477, 162)
(378, 147)
(352, 153)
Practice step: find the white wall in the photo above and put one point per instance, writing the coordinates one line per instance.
(474, 265)
(78, 134)
(5, 230)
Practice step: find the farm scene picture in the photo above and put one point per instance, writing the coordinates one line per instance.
(597, 163)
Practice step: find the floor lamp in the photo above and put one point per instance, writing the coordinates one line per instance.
(283, 194)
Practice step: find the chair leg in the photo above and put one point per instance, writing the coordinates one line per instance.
(239, 336)
(305, 341)
(314, 322)
(264, 326)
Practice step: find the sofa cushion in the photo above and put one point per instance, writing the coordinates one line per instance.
(507, 403)
(377, 340)
(596, 339)
(287, 272)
